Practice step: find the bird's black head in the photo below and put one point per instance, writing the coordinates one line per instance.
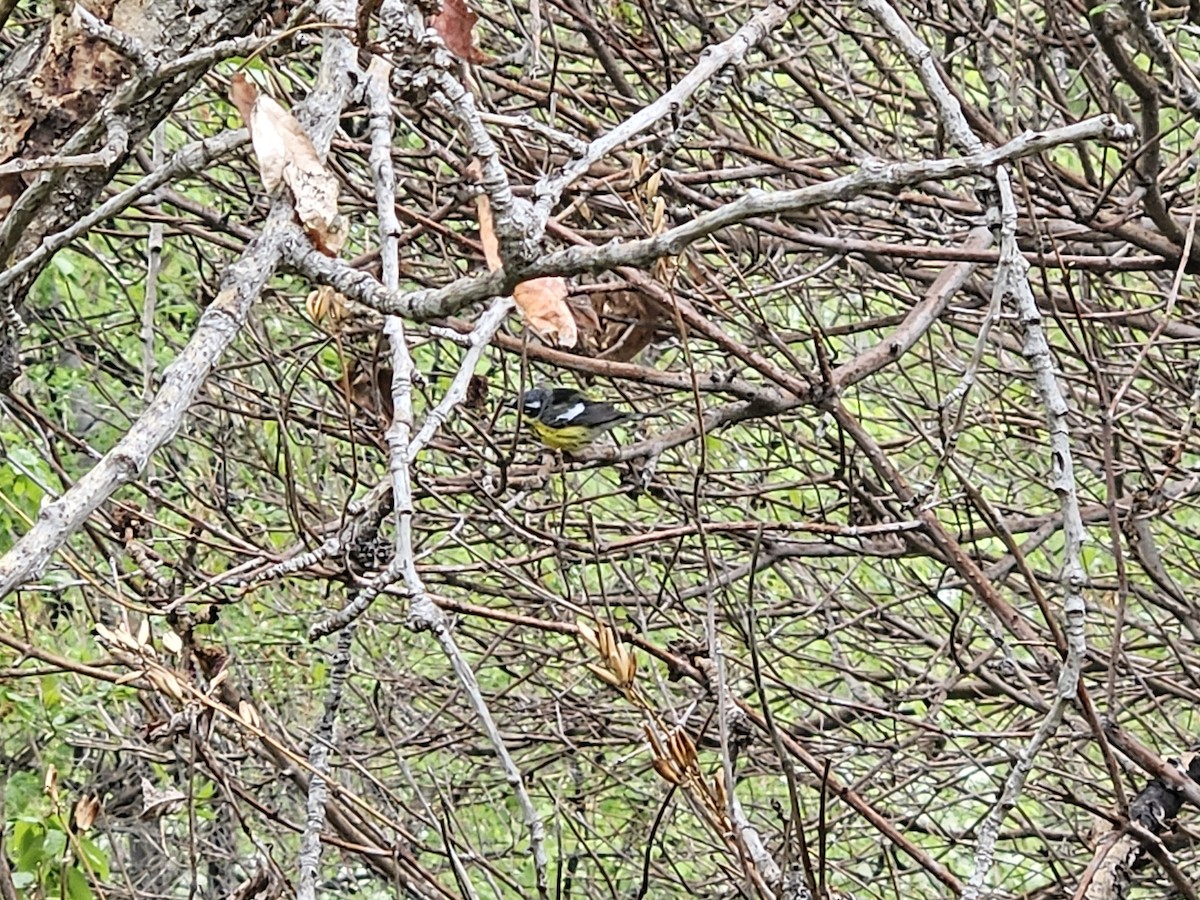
(534, 401)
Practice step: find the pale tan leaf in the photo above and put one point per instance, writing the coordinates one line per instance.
(165, 682)
(487, 227)
(454, 25)
(286, 156)
(85, 812)
(542, 301)
(173, 642)
(116, 637)
(316, 194)
(143, 635)
(652, 184)
(248, 714)
(604, 675)
(588, 634)
(265, 135)
(607, 640)
(327, 308)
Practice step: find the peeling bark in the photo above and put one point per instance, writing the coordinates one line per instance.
(64, 93)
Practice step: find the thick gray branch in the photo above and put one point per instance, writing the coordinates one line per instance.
(873, 175)
(220, 323)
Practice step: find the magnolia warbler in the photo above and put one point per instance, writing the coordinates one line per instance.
(564, 419)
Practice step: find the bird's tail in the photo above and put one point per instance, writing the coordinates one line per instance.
(649, 414)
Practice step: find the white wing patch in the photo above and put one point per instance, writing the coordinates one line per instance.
(569, 414)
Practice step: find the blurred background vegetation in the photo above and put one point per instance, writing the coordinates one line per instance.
(768, 561)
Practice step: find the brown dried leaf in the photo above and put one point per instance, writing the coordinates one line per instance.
(542, 301)
(286, 156)
(85, 812)
(604, 675)
(368, 387)
(653, 739)
(248, 714)
(242, 94)
(454, 24)
(720, 798)
(607, 641)
(628, 665)
(667, 770)
(477, 392)
(588, 633)
(683, 750)
(325, 303)
(165, 682)
(631, 322)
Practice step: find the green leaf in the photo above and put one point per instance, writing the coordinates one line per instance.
(55, 844)
(23, 456)
(28, 839)
(77, 885)
(96, 858)
(22, 879)
(51, 695)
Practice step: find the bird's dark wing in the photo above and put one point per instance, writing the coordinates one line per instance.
(586, 413)
(561, 396)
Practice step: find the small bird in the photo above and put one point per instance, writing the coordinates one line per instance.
(565, 419)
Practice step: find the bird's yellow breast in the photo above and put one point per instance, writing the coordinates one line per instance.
(569, 437)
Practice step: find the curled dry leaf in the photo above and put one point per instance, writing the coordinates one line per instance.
(173, 642)
(85, 812)
(50, 782)
(248, 714)
(165, 682)
(631, 321)
(454, 25)
(477, 392)
(287, 156)
(328, 308)
(667, 770)
(604, 675)
(542, 301)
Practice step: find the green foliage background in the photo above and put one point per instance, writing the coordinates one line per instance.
(776, 537)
